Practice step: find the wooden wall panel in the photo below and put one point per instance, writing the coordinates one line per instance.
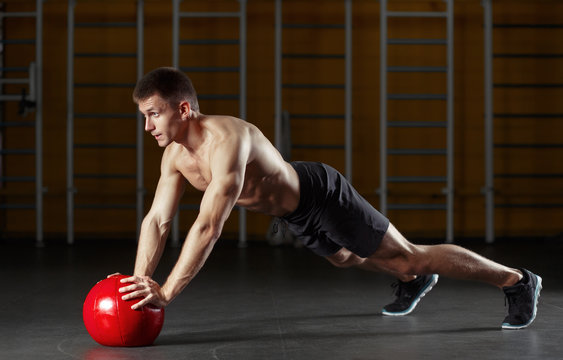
(469, 124)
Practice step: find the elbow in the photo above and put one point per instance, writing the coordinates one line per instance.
(232, 185)
(208, 232)
(214, 234)
(233, 192)
(154, 224)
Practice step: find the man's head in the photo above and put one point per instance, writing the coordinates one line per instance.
(167, 99)
(172, 85)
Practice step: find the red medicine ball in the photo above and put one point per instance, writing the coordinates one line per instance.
(111, 321)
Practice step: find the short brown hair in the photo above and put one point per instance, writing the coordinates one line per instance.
(170, 84)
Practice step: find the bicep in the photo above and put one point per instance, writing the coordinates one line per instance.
(229, 159)
(171, 186)
(228, 167)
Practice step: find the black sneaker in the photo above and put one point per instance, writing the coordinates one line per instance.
(409, 294)
(522, 301)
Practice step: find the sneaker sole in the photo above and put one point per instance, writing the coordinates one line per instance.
(508, 326)
(410, 309)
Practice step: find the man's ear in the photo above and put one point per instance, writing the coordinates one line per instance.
(184, 108)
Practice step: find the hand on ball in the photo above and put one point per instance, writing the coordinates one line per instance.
(143, 287)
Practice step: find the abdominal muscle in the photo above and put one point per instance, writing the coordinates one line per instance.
(276, 194)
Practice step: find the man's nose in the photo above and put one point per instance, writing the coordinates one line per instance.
(149, 126)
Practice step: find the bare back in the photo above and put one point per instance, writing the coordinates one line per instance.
(270, 184)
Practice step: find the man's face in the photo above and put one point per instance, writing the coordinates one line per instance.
(161, 120)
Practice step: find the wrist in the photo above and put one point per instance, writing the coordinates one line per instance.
(166, 294)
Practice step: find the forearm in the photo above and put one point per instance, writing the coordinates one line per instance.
(216, 206)
(197, 247)
(151, 245)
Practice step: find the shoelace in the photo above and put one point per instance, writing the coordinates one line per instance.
(397, 288)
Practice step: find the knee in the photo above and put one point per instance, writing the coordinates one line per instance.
(345, 259)
(410, 262)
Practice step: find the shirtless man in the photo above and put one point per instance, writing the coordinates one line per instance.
(233, 163)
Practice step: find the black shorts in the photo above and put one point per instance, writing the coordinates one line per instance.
(332, 215)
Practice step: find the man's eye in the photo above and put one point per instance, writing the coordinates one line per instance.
(155, 114)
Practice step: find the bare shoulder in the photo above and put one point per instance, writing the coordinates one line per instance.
(228, 125)
(234, 137)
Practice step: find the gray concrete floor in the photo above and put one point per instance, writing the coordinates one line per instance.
(274, 303)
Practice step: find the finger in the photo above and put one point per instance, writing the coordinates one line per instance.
(114, 274)
(140, 304)
(133, 287)
(135, 295)
(131, 279)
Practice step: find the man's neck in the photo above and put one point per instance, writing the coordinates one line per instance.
(195, 133)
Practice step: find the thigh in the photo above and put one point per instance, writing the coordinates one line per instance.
(349, 220)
